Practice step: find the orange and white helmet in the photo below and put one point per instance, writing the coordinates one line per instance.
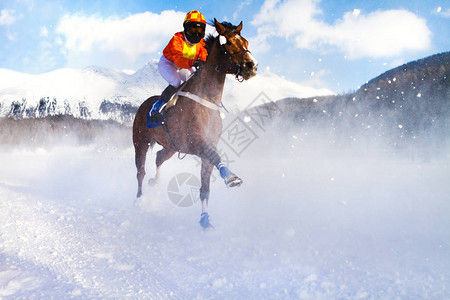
(194, 26)
(194, 16)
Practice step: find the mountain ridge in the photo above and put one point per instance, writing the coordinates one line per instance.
(101, 93)
(410, 103)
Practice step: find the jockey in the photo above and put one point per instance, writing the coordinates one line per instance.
(185, 49)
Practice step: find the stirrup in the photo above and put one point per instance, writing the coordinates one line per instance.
(157, 113)
(156, 117)
(161, 109)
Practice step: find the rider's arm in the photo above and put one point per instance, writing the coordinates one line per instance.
(174, 52)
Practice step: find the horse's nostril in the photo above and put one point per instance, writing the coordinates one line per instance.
(249, 65)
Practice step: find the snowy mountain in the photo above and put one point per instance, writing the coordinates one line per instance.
(74, 91)
(102, 93)
(239, 96)
(407, 104)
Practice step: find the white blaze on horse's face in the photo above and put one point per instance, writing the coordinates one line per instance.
(222, 40)
(252, 64)
(237, 47)
(249, 63)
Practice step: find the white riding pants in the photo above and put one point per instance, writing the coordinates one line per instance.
(171, 73)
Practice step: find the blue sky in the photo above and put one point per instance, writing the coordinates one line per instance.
(332, 44)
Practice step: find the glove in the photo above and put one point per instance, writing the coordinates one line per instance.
(198, 64)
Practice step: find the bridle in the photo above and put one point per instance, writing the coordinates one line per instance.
(230, 67)
(238, 66)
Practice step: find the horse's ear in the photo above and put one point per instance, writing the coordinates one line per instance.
(219, 27)
(239, 28)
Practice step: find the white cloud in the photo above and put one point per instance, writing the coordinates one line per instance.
(121, 38)
(7, 17)
(380, 34)
(377, 34)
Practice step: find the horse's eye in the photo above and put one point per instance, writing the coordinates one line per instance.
(223, 40)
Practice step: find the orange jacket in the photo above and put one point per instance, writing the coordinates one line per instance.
(182, 53)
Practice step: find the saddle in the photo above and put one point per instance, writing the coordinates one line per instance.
(165, 106)
(173, 100)
(159, 104)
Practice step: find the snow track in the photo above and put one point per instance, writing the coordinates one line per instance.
(326, 225)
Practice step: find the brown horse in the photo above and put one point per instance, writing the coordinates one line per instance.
(193, 127)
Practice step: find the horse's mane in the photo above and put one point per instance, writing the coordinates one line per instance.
(209, 40)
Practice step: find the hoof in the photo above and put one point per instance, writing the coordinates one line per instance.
(204, 221)
(138, 200)
(233, 181)
(152, 182)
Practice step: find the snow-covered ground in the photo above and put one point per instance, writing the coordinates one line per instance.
(309, 222)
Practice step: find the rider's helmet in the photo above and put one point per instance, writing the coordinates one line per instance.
(194, 26)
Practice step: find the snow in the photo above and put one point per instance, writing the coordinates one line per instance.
(309, 222)
(239, 96)
(90, 86)
(10, 78)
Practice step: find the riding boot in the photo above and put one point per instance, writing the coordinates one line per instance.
(158, 116)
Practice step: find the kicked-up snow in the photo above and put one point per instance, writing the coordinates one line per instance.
(309, 222)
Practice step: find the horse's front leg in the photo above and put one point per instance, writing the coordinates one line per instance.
(211, 158)
(231, 179)
(211, 155)
(207, 168)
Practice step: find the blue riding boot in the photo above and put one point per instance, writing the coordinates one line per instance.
(157, 112)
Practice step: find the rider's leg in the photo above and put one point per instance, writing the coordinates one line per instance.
(168, 92)
(157, 113)
(170, 73)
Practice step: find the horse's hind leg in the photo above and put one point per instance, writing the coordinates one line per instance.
(140, 157)
(161, 156)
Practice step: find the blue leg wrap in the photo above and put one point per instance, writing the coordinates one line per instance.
(224, 171)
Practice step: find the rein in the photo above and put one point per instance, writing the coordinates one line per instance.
(238, 75)
(230, 68)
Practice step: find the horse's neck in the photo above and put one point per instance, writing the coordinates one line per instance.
(209, 82)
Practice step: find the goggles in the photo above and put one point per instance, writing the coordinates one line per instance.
(196, 30)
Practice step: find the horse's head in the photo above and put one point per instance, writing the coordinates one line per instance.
(244, 65)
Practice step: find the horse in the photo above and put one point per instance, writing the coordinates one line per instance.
(193, 126)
